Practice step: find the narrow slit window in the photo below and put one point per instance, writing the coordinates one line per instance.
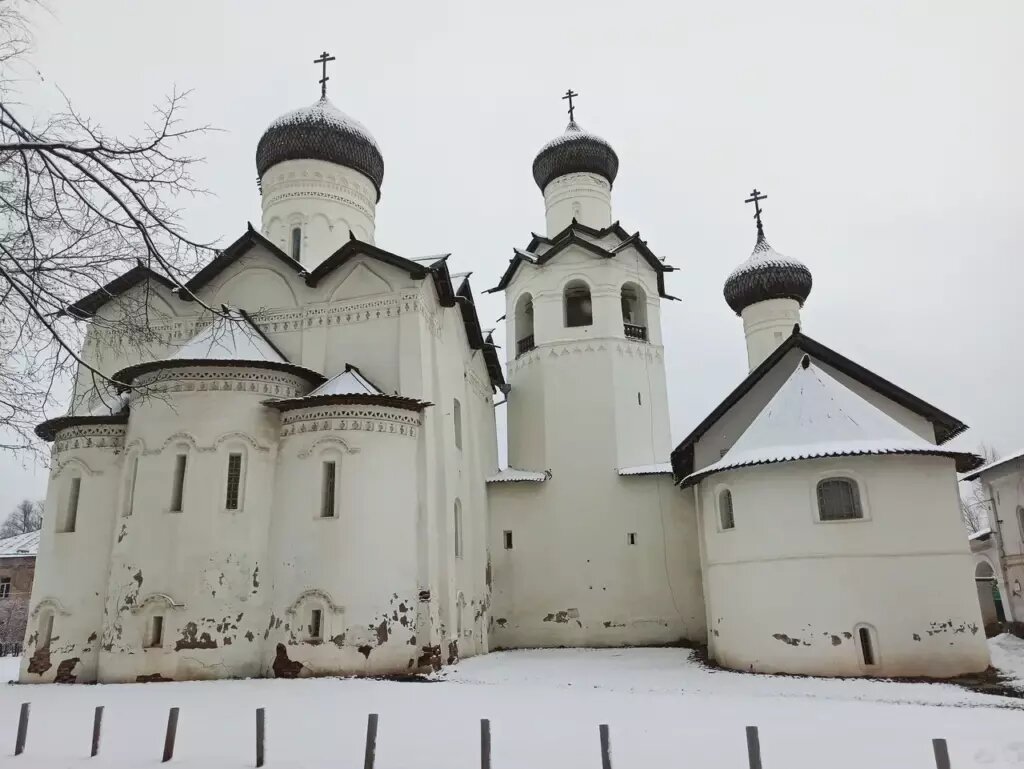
(156, 632)
(328, 495)
(71, 512)
(45, 630)
(725, 511)
(458, 529)
(457, 418)
(316, 623)
(296, 243)
(508, 540)
(631, 538)
(234, 481)
(178, 487)
(133, 474)
(867, 647)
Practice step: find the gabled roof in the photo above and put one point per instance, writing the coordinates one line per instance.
(573, 236)
(993, 465)
(112, 411)
(232, 254)
(811, 416)
(355, 247)
(231, 338)
(349, 387)
(614, 228)
(474, 334)
(349, 382)
(20, 545)
(946, 426)
(89, 304)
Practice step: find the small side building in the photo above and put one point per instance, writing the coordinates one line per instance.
(17, 570)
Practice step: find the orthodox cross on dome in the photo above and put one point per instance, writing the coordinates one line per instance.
(324, 58)
(756, 198)
(570, 94)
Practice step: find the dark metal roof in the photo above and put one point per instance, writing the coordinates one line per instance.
(321, 132)
(575, 151)
(767, 274)
(125, 376)
(251, 237)
(48, 430)
(571, 236)
(946, 426)
(366, 399)
(88, 305)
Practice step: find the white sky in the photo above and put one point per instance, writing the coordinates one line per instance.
(886, 135)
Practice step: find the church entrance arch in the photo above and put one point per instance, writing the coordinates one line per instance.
(988, 594)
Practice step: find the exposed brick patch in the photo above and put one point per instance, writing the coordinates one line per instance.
(39, 662)
(284, 667)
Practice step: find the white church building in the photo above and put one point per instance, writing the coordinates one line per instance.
(305, 480)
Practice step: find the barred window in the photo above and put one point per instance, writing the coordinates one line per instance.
(234, 481)
(838, 500)
(725, 513)
(5, 587)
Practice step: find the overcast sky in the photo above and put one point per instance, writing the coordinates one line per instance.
(888, 137)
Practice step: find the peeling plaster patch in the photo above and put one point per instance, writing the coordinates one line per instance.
(917, 637)
(847, 635)
(338, 640)
(249, 636)
(256, 578)
(610, 624)
(430, 657)
(365, 650)
(424, 596)
(138, 577)
(382, 633)
(563, 616)
(152, 678)
(284, 667)
(91, 638)
(65, 674)
(836, 640)
(501, 621)
(786, 639)
(453, 652)
(39, 662)
(123, 533)
(192, 639)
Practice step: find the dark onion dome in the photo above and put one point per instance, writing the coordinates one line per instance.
(575, 151)
(321, 132)
(767, 274)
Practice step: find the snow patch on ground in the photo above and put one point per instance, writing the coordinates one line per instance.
(1008, 657)
(663, 708)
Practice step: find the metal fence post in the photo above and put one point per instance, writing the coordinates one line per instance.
(261, 733)
(941, 754)
(753, 747)
(371, 741)
(606, 747)
(19, 743)
(97, 724)
(485, 743)
(172, 733)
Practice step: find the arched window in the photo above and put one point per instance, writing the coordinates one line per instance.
(839, 500)
(458, 528)
(296, 243)
(234, 479)
(460, 610)
(725, 514)
(524, 325)
(69, 515)
(634, 312)
(44, 629)
(579, 310)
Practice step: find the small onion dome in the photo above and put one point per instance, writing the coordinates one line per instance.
(575, 151)
(767, 274)
(321, 132)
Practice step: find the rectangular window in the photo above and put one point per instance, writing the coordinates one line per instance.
(316, 621)
(458, 529)
(508, 540)
(867, 649)
(45, 631)
(5, 587)
(234, 481)
(178, 489)
(156, 632)
(71, 511)
(457, 417)
(631, 538)
(328, 489)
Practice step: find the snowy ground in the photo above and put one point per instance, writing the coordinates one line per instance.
(663, 710)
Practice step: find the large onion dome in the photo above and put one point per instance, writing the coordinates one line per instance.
(767, 274)
(321, 131)
(575, 151)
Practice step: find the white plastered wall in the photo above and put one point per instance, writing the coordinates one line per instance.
(787, 592)
(585, 197)
(766, 325)
(1005, 487)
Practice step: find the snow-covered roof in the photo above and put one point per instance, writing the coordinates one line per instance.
(656, 469)
(514, 475)
(348, 382)
(993, 465)
(979, 534)
(766, 274)
(230, 337)
(813, 415)
(575, 150)
(20, 545)
(324, 111)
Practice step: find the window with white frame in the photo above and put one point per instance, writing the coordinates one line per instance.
(178, 483)
(5, 587)
(726, 518)
(232, 497)
(69, 519)
(329, 489)
(839, 500)
(458, 528)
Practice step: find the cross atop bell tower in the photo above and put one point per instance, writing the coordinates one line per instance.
(756, 198)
